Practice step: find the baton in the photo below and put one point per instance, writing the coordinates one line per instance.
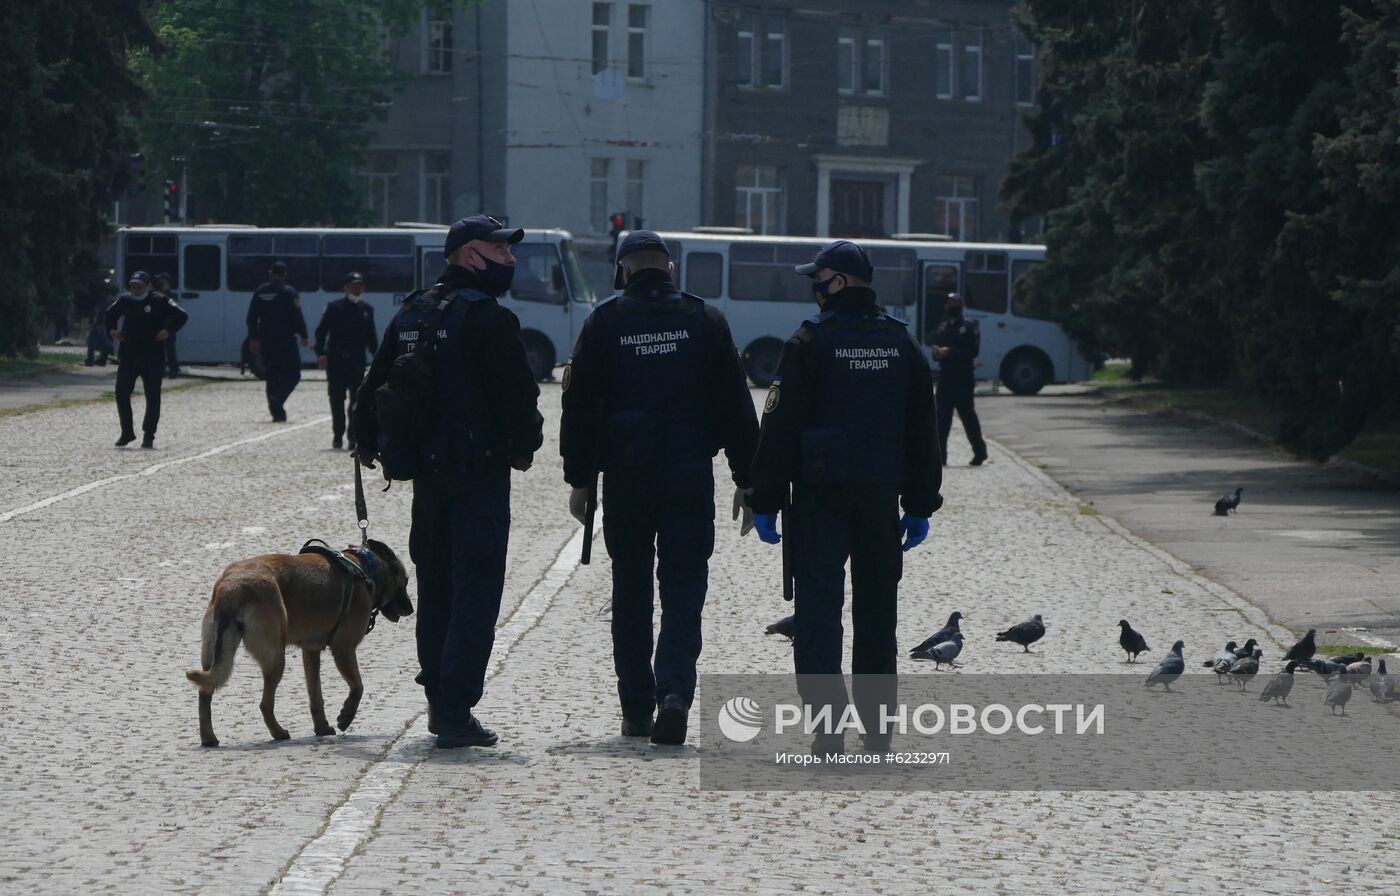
(589, 512)
(787, 545)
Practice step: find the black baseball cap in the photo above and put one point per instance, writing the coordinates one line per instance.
(139, 277)
(479, 227)
(637, 241)
(165, 276)
(354, 277)
(843, 257)
(277, 267)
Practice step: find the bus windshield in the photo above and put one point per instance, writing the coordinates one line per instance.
(578, 284)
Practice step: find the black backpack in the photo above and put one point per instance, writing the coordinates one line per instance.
(404, 404)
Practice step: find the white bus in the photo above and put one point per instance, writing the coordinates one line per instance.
(750, 278)
(217, 267)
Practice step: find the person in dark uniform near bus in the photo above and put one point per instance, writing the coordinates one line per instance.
(956, 344)
(486, 421)
(849, 426)
(653, 391)
(274, 325)
(142, 321)
(163, 289)
(346, 332)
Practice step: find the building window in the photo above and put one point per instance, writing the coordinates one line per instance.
(972, 68)
(636, 41)
(1025, 72)
(758, 199)
(439, 47)
(380, 176)
(636, 208)
(434, 198)
(775, 58)
(943, 65)
(746, 57)
(955, 206)
(602, 21)
(598, 211)
(873, 65)
(846, 64)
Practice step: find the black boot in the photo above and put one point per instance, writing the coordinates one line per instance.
(148, 442)
(670, 721)
(472, 734)
(636, 726)
(125, 439)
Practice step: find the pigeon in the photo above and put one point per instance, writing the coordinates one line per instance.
(945, 652)
(1326, 668)
(1245, 668)
(1024, 633)
(1346, 659)
(943, 634)
(1279, 686)
(1382, 685)
(1226, 653)
(1222, 668)
(1169, 669)
(1304, 649)
(1247, 649)
(1338, 693)
(787, 627)
(1131, 641)
(1228, 503)
(1359, 672)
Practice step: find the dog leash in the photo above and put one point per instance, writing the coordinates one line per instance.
(361, 510)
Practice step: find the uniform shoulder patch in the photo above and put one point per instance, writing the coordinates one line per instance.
(774, 396)
(568, 376)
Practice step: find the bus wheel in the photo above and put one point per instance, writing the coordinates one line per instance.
(252, 361)
(540, 353)
(1025, 371)
(761, 361)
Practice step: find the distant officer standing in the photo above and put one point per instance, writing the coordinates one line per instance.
(163, 289)
(484, 421)
(654, 390)
(274, 324)
(956, 344)
(346, 332)
(142, 321)
(849, 425)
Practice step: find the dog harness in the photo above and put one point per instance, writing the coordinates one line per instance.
(364, 571)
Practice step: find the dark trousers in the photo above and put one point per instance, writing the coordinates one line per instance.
(282, 368)
(830, 524)
(458, 545)
(172, 360)
(149, 367)
(343, 378)
(666, 514)
(99, 345)
(956, 395)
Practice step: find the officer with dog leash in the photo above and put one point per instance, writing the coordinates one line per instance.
(653, 391)
(849, 427)
(450, 402)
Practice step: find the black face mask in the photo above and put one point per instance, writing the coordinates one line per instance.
(952, 311)
(495, 277)
(821, 289)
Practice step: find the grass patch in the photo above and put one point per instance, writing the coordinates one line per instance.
(1086, 510)
(1378, 448)
(1338, 649)
(44, 362)
(104, 398)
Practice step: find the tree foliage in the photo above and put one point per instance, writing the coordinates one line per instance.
(65, 138)
(1218, 179)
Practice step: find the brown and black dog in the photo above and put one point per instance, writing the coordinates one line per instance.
(278, 600)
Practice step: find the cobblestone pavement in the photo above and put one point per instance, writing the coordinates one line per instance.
(107, 790)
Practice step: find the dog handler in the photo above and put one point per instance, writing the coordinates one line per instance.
(484, 421)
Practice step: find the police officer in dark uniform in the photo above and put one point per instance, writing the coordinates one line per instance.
(345, 333)
(849, 425)
(274, 324)
(653, 391)
(485, 421)
(956, 344)
(163, 290)
(142, 321)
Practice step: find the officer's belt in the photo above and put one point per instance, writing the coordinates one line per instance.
(354, 573)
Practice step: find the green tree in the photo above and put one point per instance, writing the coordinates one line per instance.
(64, 143)
(271, 102)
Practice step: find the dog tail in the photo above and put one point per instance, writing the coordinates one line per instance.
(222, 634)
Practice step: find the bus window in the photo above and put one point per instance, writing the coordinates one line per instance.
(984, 282)
(895, 273)
(249, 257)
(1019, 268)
(573, 273)
(202, 264)
(704, 274)
(154, 254)
(762, 272)
(539, 277)
(939, 280)
(385, 261)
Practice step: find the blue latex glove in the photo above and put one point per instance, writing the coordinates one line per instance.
(913, 529)
(767, 526)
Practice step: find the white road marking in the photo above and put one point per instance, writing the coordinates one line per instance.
(154, 469)
(351, 826)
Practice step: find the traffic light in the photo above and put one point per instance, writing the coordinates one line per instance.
(136, 167)
(617, 222)
(170, 194)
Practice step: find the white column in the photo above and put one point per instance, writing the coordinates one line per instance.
(902, 204)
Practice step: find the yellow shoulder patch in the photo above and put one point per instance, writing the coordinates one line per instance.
(568, 377)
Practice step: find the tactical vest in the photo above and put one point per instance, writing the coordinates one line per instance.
(857, 434)
(655, 408)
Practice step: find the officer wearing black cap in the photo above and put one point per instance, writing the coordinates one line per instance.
(849, 427)
(346, 332)
(141, 320)
(163, 291)
(274, 324)
(485, 420)
(956, 343)
(652, 393)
